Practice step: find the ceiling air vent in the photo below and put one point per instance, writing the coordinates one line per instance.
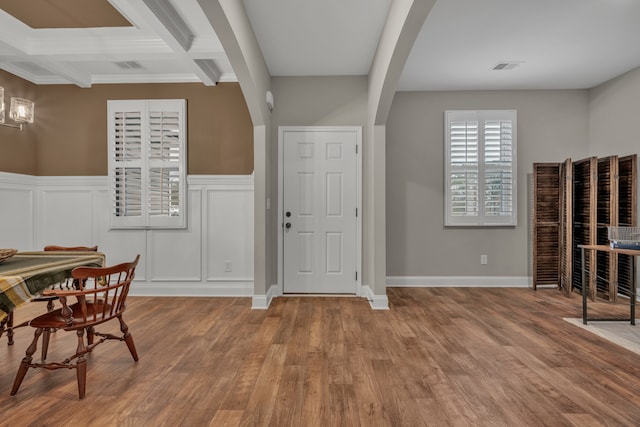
(505, 66)
(128, 65)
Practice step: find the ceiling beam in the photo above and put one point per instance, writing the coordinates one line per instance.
(404, 22)
(66, 71)
(207, 71)
(171, 27)
(230, 21)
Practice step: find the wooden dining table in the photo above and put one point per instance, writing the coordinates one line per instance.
(25, 275)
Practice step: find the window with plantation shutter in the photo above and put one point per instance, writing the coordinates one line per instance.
(480, 168)
(147, 163)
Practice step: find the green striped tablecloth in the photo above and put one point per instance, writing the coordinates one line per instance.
(25, 275)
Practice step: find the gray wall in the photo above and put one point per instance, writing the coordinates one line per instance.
(312, 101)
(552, 125)
(614, 109)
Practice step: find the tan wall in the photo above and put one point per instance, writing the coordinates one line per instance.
(17, 148)
(72, 127)
(552, 125)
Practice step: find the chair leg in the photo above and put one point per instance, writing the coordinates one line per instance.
(26, 362)
(81, 373)
(10, 328)
(81, 364)
(90, 335)
(128, 339)
(45, 343)
(50, 305)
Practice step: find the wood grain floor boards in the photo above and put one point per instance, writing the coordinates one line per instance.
(438, 357)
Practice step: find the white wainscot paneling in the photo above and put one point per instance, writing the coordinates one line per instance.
(118, 245)
(191, 262)
(174, 255)
(16, 211)
(65, 210)
(230, 235)
(65, 217)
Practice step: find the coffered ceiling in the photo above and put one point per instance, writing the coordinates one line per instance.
(535, 44)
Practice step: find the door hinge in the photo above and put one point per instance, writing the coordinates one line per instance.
(356, 212)
(356, 276)
(356, 148)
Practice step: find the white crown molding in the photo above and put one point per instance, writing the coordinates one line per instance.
(145, 78)
(77, 43)
(228, 78)
(65, 71)
(23, 74)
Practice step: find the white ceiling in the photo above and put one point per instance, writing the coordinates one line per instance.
(556, 44)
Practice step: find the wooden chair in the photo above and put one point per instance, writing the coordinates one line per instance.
(101, 298)
(8, 322)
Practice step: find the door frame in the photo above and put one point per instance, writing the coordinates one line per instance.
(280, 199)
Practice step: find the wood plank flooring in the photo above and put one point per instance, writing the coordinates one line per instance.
(439, 357)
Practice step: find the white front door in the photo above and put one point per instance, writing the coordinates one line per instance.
(319, 202)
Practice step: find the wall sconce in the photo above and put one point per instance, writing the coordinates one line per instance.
(20, 111)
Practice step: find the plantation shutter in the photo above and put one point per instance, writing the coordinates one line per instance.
(147, 163)
(480, 169)
(463, 171)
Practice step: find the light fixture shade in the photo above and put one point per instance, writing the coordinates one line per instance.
(21, 110)
(1, 104)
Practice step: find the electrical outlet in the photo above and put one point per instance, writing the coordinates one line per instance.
(483, 259)
(228, 267)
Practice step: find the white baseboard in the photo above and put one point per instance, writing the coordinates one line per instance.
(262, 302)
(168, 289)
(377, 302)
(459, 281)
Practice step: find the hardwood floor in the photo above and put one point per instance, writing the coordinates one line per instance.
(439, 357)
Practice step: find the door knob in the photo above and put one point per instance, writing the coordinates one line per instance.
(288, 214)
(288, 225)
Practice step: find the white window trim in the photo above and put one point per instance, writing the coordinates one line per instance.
(146, 163)
(480, 219)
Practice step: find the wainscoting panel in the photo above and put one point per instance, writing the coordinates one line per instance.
(174, 255)
(65, 217)
(118, 245)
(229, 234)
(17, 219)
(190, 262)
